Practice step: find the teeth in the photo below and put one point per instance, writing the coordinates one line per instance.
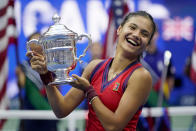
(132, 42)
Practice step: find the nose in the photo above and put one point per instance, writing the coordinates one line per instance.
(136, 34)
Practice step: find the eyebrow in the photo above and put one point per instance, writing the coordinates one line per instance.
(133, 24)
(143, 30)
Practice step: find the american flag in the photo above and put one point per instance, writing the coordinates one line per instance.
(117, 11)
(7, 36)
(193, 64)
(178, 29)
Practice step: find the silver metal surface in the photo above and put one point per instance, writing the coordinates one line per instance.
(59, 47)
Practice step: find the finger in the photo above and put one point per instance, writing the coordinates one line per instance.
(76, 77)
(36, 67)
(38, 54)
(29, 54)
(74, 83)
(37, 58)
(40, 63)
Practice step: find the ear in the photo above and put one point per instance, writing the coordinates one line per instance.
(119, 30)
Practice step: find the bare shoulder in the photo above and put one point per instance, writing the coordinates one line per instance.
(140, 84)
(142, 77)
(90, 67)
(142, 74)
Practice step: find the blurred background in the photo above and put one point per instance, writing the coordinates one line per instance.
(175, 20)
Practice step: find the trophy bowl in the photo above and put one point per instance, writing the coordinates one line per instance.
(59, 47)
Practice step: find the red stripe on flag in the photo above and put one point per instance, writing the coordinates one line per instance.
(109, 44)
(11, 21)
(3, 32)
(105, 46)
(10, 39)
(13, 40)
(3, 10)
(11, 3)
(3, 90)
(3, 55)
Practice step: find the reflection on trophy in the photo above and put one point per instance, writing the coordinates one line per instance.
(59, 47)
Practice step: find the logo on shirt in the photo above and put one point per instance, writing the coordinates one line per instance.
(116, 87)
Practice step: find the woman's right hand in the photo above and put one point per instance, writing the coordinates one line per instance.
(38, 62)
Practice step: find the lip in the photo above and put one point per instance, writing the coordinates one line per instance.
(132, 41)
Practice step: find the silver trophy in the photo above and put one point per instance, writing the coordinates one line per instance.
(59, 47)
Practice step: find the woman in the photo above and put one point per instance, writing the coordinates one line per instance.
(116, 88)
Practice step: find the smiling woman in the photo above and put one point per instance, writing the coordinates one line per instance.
(128, 90)
(135, 34)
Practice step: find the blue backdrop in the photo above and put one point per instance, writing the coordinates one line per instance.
(176, 24)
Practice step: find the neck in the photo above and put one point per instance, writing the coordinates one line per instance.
(119, 63)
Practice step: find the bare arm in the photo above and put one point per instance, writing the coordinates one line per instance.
(138, 88)
(64, 105)
(61, 105)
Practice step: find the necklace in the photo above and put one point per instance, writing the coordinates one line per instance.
(112, 76)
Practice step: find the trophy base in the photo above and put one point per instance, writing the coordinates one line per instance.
(62, 82)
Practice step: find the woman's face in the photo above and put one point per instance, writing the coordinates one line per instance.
(134, 35)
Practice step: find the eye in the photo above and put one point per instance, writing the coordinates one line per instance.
(145, 34)
(132, 27)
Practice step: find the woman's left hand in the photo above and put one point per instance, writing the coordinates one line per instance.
(80, 83)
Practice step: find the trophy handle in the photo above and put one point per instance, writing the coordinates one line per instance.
(89, 43)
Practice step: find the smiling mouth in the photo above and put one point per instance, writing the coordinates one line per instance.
(132, 42)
